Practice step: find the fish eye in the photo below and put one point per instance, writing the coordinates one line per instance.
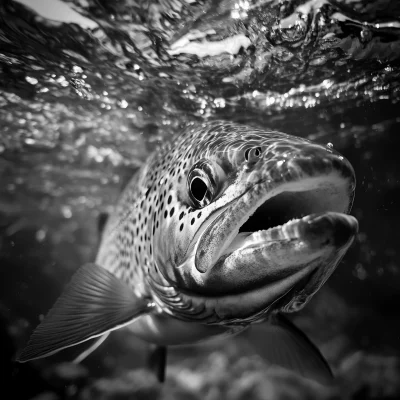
(198, 188)
(202, 183)
(252, 154)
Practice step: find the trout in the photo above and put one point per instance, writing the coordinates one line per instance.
(223, 228)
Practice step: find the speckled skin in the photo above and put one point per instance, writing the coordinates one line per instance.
(152, 240)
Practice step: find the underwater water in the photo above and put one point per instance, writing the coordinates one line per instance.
(89, 88)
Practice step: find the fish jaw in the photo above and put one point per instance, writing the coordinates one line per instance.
(286, 265)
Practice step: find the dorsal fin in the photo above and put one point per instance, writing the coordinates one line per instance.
(95, 302)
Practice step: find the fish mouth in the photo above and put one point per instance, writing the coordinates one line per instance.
(311, 210)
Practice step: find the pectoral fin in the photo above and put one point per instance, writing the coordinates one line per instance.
(286, 345)
(95, 302)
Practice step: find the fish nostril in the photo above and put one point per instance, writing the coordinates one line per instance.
(252, 155)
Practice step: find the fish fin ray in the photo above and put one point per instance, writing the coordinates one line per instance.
(95, 302)
(287, 346)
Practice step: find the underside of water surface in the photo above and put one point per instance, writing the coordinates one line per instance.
(89, 88)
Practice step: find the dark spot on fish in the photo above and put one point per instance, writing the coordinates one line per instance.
(139, 249)
(192, 221)
(165, 214)
(199, 215)
(181, 228)
(169, 199)
(171, 213)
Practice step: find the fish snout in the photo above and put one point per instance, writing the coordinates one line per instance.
(293, 160)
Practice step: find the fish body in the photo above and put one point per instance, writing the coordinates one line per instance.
(223, 227)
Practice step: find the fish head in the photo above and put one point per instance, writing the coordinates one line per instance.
(254, 221)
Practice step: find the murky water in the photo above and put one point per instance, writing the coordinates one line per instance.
(89, 88)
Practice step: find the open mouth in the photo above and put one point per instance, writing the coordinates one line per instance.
(312, 196)
(292, 204)
(284, 207)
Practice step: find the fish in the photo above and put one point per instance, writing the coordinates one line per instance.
(226, 227)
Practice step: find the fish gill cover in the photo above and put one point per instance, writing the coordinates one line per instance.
(90, 88)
